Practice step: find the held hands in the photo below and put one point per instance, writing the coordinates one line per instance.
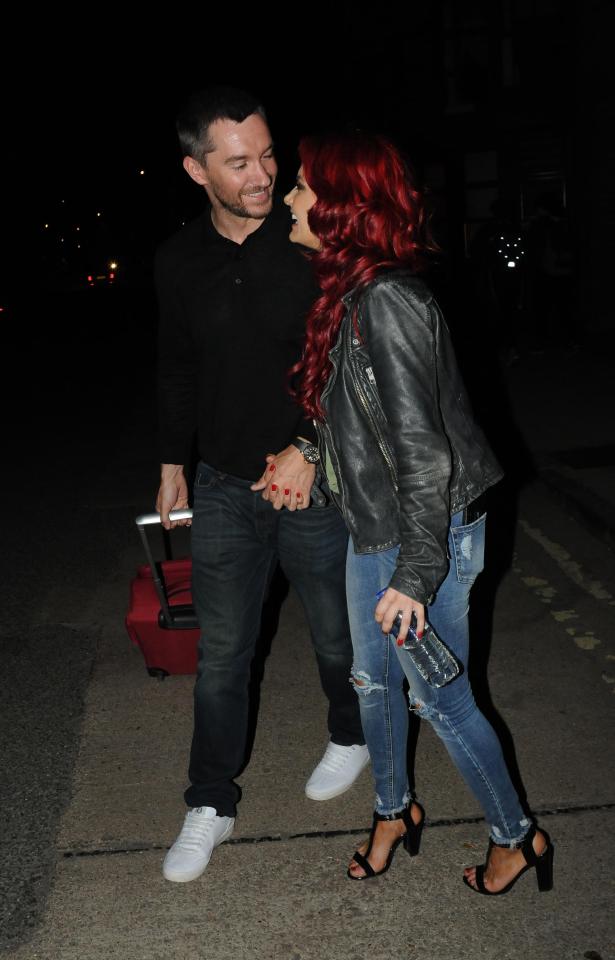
(394, 602)
(287, 480)
(172, 495)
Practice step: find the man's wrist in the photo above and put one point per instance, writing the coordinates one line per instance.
(308, 450)
(168, 471)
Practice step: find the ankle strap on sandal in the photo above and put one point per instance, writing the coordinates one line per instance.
(402, 814)
(390, 816)
(525, 845)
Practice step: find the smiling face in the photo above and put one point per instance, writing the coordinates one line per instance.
(239, 173)
(301, 199)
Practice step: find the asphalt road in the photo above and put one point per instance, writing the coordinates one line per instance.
(81, 365)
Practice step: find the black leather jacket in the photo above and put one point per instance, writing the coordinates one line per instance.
(399, 430)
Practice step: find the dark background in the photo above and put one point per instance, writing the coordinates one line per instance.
(493, 100)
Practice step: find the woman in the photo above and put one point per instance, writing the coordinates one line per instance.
(408, 467)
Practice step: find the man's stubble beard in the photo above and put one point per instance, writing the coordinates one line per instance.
(238, 210)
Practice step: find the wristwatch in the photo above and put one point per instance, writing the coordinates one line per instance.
(309, 451)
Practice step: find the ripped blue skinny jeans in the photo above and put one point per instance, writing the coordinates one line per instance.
(380, 667)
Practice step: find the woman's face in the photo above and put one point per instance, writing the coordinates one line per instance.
(300, 200)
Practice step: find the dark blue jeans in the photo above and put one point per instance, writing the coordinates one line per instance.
(236, 539)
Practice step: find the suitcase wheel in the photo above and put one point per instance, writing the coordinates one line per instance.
(158, 673)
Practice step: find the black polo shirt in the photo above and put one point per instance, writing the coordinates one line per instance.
(232, 322)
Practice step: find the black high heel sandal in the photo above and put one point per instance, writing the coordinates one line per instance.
(411, 840)
(543, 864)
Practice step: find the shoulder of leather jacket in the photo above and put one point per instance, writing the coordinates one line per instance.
(403, 280)
(409, 283)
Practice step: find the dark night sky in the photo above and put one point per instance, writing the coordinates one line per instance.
(91, 100)
(88, 97)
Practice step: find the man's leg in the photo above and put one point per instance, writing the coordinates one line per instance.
(230, 570)
(312, 547)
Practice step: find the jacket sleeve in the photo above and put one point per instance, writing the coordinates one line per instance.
(399, 328)
(305, 429)
(177, 372)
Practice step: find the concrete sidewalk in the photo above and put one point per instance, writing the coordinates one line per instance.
(278, 889)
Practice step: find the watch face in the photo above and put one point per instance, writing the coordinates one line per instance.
(309, 451)
(311, 454)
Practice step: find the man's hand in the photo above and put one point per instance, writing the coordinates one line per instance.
(394, 602)
(287, 480)
(172, 495)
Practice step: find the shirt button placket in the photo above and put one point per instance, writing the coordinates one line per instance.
(238, 258)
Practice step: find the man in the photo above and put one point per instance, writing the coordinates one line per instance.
(233, 294)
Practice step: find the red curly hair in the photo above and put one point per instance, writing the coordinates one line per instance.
(369, 217)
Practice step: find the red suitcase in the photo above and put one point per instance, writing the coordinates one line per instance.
(160, 619)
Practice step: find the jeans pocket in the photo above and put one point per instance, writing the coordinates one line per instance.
(205, 479)
(467, 548)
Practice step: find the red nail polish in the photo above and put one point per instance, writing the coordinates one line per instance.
(287, 493)
(419, 636)
(299, 497)
(400, 643)
(272, 468)
(274, 486)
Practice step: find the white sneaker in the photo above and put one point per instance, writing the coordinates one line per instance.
(202, 831)
(337, 771)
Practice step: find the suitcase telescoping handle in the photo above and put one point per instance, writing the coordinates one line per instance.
(150, 519)
(147, 520)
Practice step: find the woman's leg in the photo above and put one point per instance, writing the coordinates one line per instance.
(467, 735)
(451, 710)
(378, 680)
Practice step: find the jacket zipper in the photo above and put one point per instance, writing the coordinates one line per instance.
(323, 428)
(365, 405)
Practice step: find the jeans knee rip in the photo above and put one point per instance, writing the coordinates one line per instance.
(422, 709)
(363, 683)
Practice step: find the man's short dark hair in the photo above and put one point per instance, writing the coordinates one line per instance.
(205, 107)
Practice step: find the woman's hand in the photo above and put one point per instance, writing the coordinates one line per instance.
(393, 602)
(287, 480)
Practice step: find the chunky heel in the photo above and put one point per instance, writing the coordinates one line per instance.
(414, 831)
(544, 869)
